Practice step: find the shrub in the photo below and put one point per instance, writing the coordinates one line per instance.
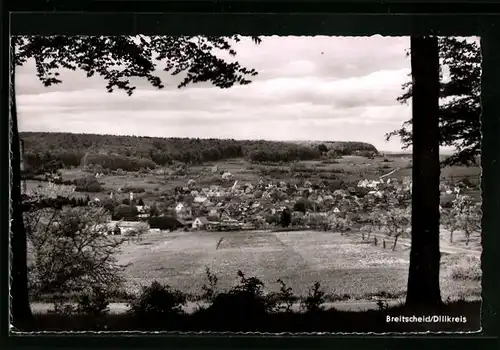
(124, 212)
(366, 154)
(133, 189)
(87, 184)
(158, 300)
(285, 218)
(336, 185)
(333, 154)
(94, 303)
(284, 299)
(209, 292)
(109, 205)
(116, 162)
(315, 298)
(467, 183)
(467, 268)
(244, 300)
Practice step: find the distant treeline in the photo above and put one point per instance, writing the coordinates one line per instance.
(132, 153)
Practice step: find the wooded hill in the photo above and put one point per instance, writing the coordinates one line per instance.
(132, 152)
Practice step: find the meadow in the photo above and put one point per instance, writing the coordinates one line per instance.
(347, 266)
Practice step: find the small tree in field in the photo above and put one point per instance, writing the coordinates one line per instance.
(397, 222)
(450, 222)
(467, 215)
(337, 223)
(71, 251)
(389, 205)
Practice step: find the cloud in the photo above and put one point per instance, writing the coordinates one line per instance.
(325, 88)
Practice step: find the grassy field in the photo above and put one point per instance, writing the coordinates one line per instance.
(343, 264)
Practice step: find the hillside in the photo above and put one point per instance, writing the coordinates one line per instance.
(133, 152)
(343, 147)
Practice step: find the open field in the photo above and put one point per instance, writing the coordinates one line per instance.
(344, 265)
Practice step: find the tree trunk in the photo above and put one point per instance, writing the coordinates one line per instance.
(395, 243)
(20, 307)
(423, 279)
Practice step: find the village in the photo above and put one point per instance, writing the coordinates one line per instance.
(234, 207)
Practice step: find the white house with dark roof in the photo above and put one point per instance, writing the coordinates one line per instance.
(201, 223)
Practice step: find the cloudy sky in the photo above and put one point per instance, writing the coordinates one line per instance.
(308, 88)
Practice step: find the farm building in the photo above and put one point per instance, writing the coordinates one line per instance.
(166, 223)
(201, 223)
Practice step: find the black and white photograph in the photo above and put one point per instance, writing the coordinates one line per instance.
(246, 184)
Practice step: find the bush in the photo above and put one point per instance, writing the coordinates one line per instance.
(158, 300)
(335, 185)
(124, 212)
(283, 300)
(87, 184)
(117, 162)
(302, 205)
(245, 302)
(133, 189)
(209, 292)
(94, 303)
(467, 268)
(366, 154)
(314, 299)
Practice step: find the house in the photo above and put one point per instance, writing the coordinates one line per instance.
(200, 199)
(200, 223)
(227, 176)
(143, 209)
(183, 211)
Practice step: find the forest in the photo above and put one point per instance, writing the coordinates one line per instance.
(131, 153)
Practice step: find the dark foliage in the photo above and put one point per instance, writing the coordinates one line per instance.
(286, 218)
(59, 202)
(314, 299)
(322, 148)
(94, 302)
(302, 205)
(131, 153)
(87, 184)
(323, 321)
(157, 301)
(243, 306)
(124, 211)
(460, 115)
